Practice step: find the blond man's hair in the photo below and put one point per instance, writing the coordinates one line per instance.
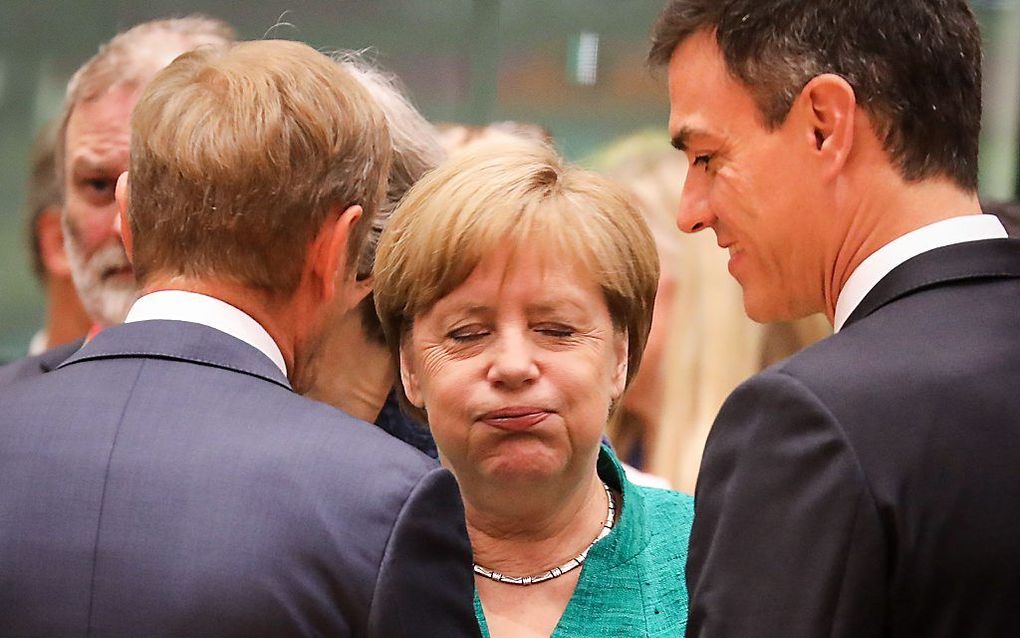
(131, 58)
(518, 194)
(238, 156)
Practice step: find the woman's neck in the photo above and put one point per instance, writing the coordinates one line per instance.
(526, 541)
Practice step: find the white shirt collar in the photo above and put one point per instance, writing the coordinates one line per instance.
(954, 230)
(181, 305)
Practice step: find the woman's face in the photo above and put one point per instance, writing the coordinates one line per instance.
(517, 368)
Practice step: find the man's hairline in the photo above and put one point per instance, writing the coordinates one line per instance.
(137, 82)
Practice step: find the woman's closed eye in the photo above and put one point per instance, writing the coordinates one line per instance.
(467, 334)
(557, 331)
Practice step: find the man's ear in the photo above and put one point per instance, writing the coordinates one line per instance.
(329, 249)
(123, 196)
(621, 348)
(829, 106)
(409, 379)
(50, 234)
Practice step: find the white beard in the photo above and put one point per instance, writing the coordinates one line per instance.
(106, 299)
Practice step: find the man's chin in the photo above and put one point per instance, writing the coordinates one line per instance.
(773, 308)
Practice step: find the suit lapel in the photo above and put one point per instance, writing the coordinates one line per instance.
(180, 341)
(984, 259)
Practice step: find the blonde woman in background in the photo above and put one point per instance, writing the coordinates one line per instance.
(455, 137)
(701, 345)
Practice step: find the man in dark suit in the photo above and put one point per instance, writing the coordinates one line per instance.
(868, 485)
(167, 480)
(91, 151)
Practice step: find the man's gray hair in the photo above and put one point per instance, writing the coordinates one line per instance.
(416, 147)
(416, 151)
(131, 58)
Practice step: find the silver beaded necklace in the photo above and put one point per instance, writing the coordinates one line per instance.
(568, 566)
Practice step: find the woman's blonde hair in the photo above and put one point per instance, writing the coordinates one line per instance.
(522, 195)
(250, 147)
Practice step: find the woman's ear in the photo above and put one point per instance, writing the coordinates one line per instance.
(621, 349)
(409, 379)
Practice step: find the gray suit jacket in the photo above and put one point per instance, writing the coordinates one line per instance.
(166, 481)
(34, 365)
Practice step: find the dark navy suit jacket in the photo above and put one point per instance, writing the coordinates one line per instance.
(34, 365)
(166, 481)
(870, 485)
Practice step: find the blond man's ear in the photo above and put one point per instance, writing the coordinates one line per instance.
(120, 222)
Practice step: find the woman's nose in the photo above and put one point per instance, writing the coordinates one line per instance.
(513, 363)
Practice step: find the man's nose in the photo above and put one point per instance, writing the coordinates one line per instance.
(513, 363)
(694, 213)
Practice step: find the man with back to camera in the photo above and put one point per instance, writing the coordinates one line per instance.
(866, 486)
(166, 480)
(91, 151)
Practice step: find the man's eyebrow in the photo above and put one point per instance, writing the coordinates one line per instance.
(89, 165)
(679, 141)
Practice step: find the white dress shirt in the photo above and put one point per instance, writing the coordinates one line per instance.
(180, 305)
(955, 230)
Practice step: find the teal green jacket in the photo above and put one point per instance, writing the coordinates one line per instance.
(632, 584)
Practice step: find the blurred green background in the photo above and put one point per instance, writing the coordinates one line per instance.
(573, 66)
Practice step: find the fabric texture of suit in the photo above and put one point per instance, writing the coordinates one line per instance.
(869, 485)
(34, 365)
(166, 481)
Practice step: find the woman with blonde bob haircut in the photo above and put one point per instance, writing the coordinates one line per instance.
(516, 293)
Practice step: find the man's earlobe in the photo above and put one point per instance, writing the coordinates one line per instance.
(331, 249)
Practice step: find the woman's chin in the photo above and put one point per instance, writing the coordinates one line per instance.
(523, 463)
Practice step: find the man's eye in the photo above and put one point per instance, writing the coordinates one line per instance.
(99, 184)
(702, 160)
